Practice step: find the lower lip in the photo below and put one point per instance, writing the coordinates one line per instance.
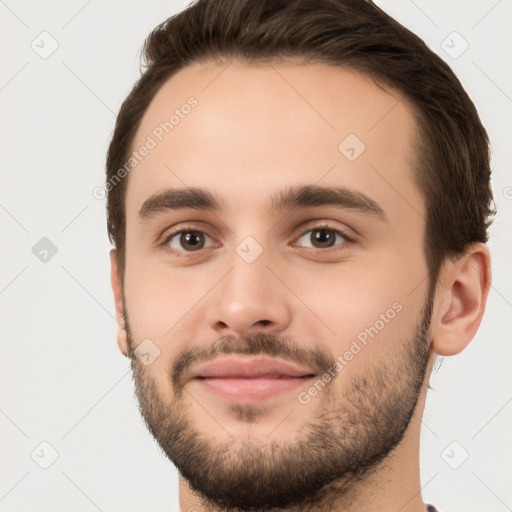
(251, 390)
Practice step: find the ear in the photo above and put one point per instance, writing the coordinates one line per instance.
(462, 294)
(117, 288)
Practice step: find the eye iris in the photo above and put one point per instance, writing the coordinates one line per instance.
(323, 236)
(193, 239)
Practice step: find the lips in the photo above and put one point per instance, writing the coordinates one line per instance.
(250, 368)
(245, 380)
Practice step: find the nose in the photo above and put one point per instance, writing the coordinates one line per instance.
(250, 297)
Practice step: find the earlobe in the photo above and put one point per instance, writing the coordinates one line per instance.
(117, 288)
(122, 341)
(463, 291)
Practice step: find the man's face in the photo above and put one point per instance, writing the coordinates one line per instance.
(339, 291)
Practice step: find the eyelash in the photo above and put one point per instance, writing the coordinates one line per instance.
(188, 254)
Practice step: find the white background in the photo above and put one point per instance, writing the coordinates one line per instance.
(62, 378)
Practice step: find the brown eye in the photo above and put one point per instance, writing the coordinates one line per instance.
(187, 240)
(191, 239)
(323, 237)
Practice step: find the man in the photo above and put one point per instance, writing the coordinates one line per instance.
(299, 196)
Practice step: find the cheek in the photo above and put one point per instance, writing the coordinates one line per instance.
(151, 303)
(364, 309)
(353, 316)
(154, 308)
(351, 296)
(166, 306)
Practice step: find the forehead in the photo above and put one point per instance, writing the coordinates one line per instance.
(247, 130)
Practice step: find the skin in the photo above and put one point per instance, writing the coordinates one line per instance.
(256, 130)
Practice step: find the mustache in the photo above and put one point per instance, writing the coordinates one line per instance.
(255, 344)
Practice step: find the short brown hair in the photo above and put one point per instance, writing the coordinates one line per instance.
(453, 160)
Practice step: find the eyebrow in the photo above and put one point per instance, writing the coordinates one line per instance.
(291, 198)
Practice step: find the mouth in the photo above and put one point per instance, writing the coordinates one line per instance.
(250, 389)
(248, 380)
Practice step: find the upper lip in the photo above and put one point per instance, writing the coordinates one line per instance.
(254, 367)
